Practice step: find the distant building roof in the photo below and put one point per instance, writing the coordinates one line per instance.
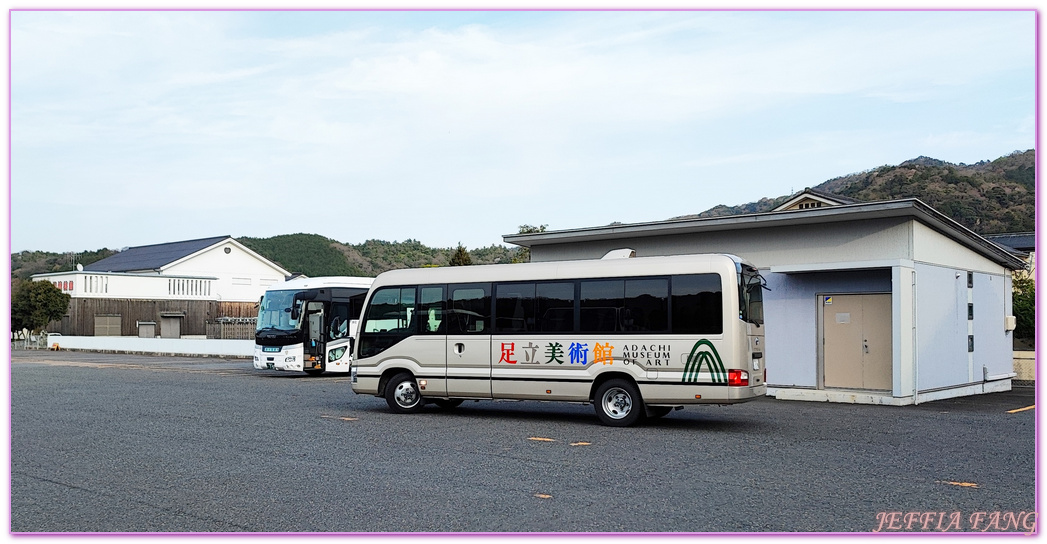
(813, 198)
(1020, 241)
(152, 257)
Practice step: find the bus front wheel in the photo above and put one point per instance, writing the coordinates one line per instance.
(402, 394)
(618, 403)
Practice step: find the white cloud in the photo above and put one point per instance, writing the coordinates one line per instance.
(460, 112)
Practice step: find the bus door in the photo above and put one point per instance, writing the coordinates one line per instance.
(314, 334)
(469, 340)
(431, 340)
(339, 346)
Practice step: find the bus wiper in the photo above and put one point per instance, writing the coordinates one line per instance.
(761, 282)
(272, 330)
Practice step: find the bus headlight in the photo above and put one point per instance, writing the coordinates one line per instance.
(335, 354)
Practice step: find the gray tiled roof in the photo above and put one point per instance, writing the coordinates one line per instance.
(1022, 241)
(151, 257)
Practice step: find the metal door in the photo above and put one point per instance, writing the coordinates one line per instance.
(856, 342)
(170, 327)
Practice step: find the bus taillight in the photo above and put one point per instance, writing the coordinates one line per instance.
(737, 377)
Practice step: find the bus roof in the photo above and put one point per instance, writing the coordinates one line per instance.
(591, 268)
(324, 281)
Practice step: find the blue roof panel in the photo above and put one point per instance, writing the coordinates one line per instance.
(152, 257)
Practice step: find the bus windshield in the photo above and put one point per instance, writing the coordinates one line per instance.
(750, 294)
(274, 312)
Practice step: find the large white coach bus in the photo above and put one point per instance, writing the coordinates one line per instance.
(637, 337)
(309, 323)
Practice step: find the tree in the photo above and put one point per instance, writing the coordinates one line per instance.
(461, 257)
(1023, 302)
(524, 254)
(34, 304)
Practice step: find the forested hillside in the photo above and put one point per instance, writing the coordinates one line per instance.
(376, 256)
(314, 255)
(309, 254)
(26, 263)
(988, 197)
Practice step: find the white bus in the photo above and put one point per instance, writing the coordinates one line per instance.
(637, 337)
(309, 324)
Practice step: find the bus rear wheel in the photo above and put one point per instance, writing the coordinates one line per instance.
(402, 394)
(618, 403)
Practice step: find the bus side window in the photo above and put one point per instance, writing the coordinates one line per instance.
(514, 307)
(431, 310)
(646, 305)
(601, 304)
(555, 307)
(389, 319)
(697, 304)
(470, 311)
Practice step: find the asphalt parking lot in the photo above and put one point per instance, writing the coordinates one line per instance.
(125, 443)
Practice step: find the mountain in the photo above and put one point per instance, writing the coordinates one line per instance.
(376, 256)
(314, 255)
(26, 263)
(309, 254)
(988, 197)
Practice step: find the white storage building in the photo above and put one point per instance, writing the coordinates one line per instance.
(885, 302)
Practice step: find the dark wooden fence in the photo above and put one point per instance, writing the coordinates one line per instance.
(196, 317)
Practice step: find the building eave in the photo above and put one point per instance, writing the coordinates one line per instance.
(228, 240)
(122, 274)
(907, 209)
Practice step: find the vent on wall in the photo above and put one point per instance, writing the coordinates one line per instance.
(624, 253)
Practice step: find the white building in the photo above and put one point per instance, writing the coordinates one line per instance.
(885, 302)
(171, 290)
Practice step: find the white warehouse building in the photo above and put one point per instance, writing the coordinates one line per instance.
(170, 290)
(885, 302)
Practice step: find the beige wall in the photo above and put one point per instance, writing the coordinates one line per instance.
(880, 239)
(1025, 365)
(929, 246)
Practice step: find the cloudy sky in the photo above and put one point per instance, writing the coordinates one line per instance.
(140, 127)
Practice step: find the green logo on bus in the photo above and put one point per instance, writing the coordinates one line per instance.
(704, 354)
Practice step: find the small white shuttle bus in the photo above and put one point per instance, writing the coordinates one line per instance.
(309, 324)
(637, 337)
